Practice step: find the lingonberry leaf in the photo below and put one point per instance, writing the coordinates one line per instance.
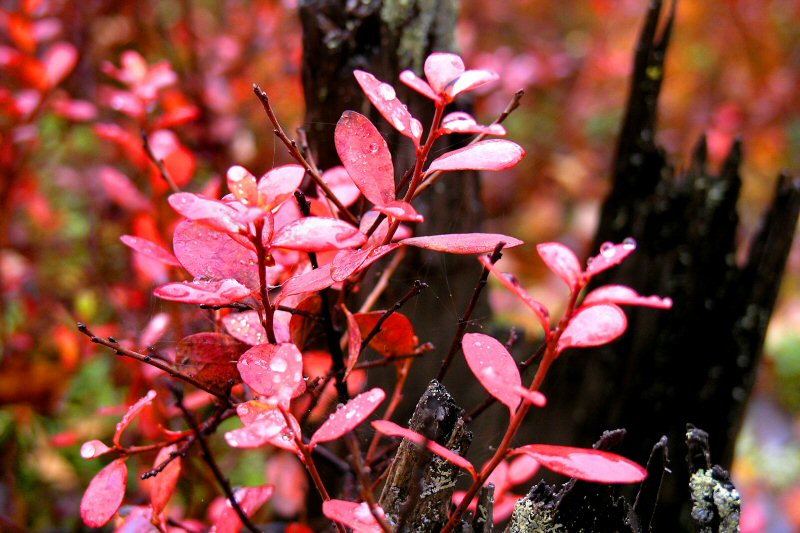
(210, 358)
(278, 185)
(400, 211)
(384, 98)
(58, 62)
(318, 234)
(441, 69)
(342, 186)
(610, 255)
(593, 326)
(273, 370)
(346, 417)
(393, 430)
(491, 154)
(494, 367)
(263, 423)
(128, 417)
(211, 254)
(396, 336)
(511, 282)
(356, 516)
(353, 341)
(311, 281)
(366, 157)
(242, 185)
(419, 85)
(150, 249)
(533, 397)
(94, 448)
(305, 326)
(105, 493)
(163, 485)
(622, 295)
(219, 292)
(461, 122)
(469, 81)
(462, 243)
(521, 469)
(349, 262)
(250, 499)
(214, 213)
(585, 463)
(562, 261)
(245, 327)
(122, 191)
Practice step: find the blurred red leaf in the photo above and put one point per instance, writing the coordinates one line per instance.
(491, 154)
(510, 282)
(346, 417)
(150, 249)
(366, 157)
(593, 326)
(104, 494)
(342, 186)
(585, 463)
(461, 122)
(59, 60)
(462, 243)
(353, 341)
(356, 516)
(128, 417)
(122, 191)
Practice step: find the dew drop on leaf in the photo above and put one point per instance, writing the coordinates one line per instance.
(629, 243)
(607, 249)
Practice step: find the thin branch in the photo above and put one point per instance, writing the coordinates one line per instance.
(363, 480)
(297, 154)
(158, 163)
(464, 320)
(417, 287)
(383, 282)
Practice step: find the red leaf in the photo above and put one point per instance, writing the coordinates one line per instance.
(462, 243)
(494, 367)
(214, 213)
(521, 469)
(366, 157)
(104, 494)
(383, 97)
(342, 186)
(250, 499)
(263, 424)
(353, 341)
(622, 295)
(400, 211)
(396, 336)
(460, 122)
(593, 326)
(318, 234)
(393, 430)
(510, 282)
(349, 262)
(59, 61)
(150, 249)
(245, 327)
(76, 110)
(122, 191)
(242, 185)
(273, 370)
(469, 81)
(356, 516)
(533, 397)
(492, 154)
(219, 292)
(610, 255)
(278, 185)
(348, 416)
(210, 358)
(562, 261)
(133, 410)
(418, 84)
(441, 69)
(585, 464)
(311, 281)
(163, 485)
(94, 448)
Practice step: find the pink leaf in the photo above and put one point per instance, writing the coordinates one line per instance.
(393, 430)
(163, 485)
(219, 292)
(250, 499)
(562, 261)
(122, 191)
(349, 262)
(585, 463)
(214, 213)
(593, 326)
(418, 84)
(492, 154)
(94, 448)
(342, 186)
(318, 234)
(104, 494)
(275, 371)
(245, 327)
(242, 185)
(353, 341)
(521, 469)
(469, 81)
(400, 211)
(155, 329)
(356, 516)
(59, 61)
(533, 397)
(383, 97)
(263, 424)
(347, 417)
(366, 157)
(311, 281)
(278, 185)
(460, 122)
(622, 295)
(150, 249)
(494, 367)
(462, 243)
(441, 69)
(610, 255)
(510, 282)
(133, 410)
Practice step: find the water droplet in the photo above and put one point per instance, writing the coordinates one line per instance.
(278, 364)
(231, 440)
(244, 410)
(386, 92)
(607, 249)
(372, 147)
(87, 450)
(629, 243)
(416, 128)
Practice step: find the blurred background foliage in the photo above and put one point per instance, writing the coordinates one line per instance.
(74, 99)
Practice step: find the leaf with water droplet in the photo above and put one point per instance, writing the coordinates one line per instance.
(150, 249)
(562, 261)
(278, 185)
(273, 370)
(210, 358)
(585, 463)
(318, 234)
(133, 410)
(349, 262)
(610, 255)
(366, 157)
(94, 448)
(356, 516)
(462, 243)
(242, 185)
(345, 418)
(210, 212)
(469, 81)
(622, 295)
(494, 367)
(441, 69)
(510, 282)
(384, 98)
(104, 494)
(219, 292)
(341, 184)
(245, 327)
(419, 85)
(163, 485)
(311, 281)
(492, 154)
(399, 210)
(263, 424)
(461, 122)
(593, 326)
(250, 500)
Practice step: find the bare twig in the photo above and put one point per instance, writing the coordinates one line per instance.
(363, 480)
(159, 163)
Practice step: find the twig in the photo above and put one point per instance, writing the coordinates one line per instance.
(363, 480)
(161, 365)
(464, 320)
(397, 397)
(416, 288)
(158, 163)
(383, 282)
(296, 153)
(212, 464)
